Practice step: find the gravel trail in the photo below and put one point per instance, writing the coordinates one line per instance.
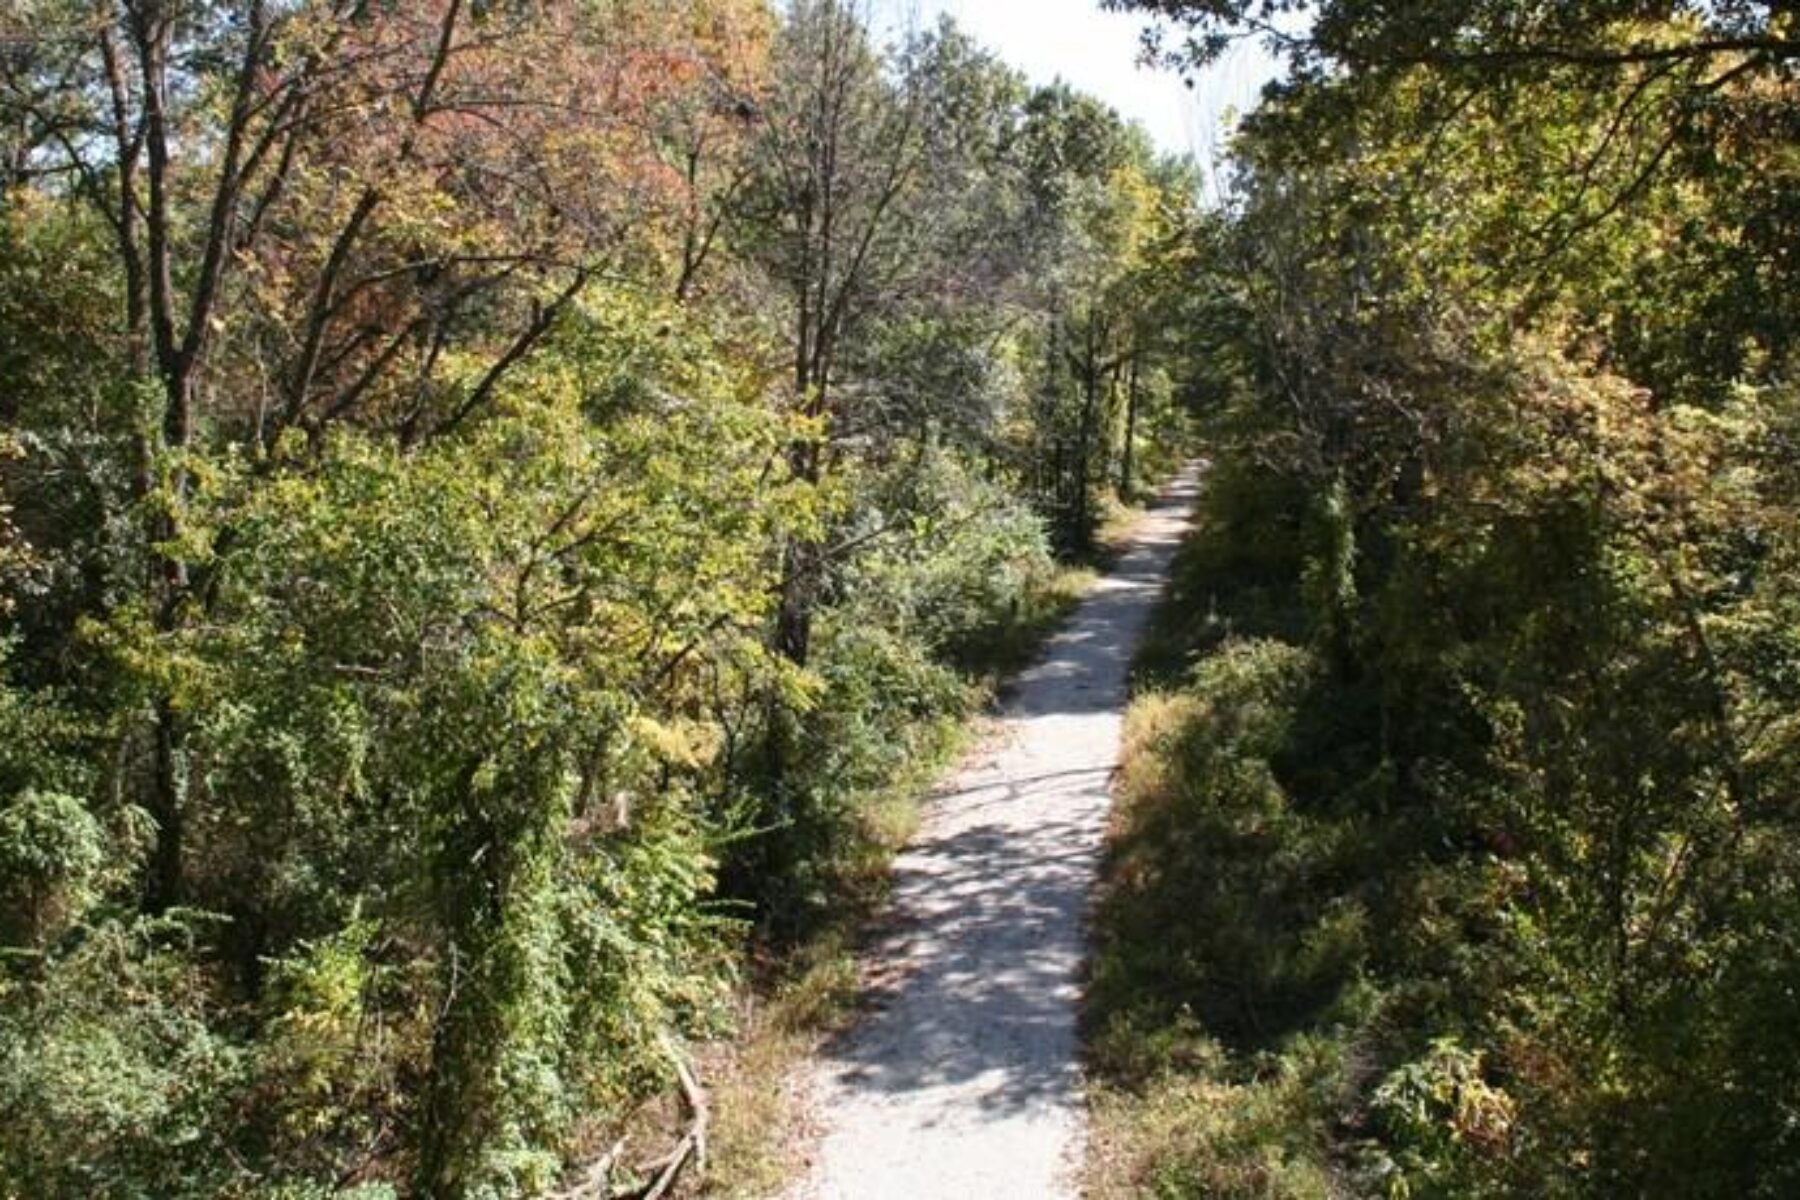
(963, 1079)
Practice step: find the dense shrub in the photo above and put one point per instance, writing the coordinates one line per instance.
(1378, 921)
(945, 568)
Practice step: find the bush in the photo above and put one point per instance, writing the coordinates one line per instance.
(943, 569)
(51, 850)
(114, 1080)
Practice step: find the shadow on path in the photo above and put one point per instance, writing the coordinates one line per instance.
(962, 1078)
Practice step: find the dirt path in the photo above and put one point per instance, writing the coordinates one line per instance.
(964, 1079)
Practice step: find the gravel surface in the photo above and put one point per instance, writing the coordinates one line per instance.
(964, 1079)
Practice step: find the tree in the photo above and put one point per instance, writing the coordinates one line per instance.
(1498, 408)
(840, 151)
(489, 493)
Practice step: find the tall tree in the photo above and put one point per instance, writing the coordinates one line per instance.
(841, 149)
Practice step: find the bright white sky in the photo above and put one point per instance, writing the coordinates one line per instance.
(1097, 51)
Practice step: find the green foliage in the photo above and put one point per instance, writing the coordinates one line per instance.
(1223, 939)
(1434, 1112)
(114, 1081)
(1494, 441)
(411, 544)
(936, 562)
(51, 848)
(966, 555)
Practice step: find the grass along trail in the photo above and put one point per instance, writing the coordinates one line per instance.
(964, 1078)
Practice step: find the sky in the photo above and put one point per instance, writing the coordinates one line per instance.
(1097, 51)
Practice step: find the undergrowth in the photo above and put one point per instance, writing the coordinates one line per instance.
(798, 997)
(1344, 948)
(1273, 1009)
(801, 992)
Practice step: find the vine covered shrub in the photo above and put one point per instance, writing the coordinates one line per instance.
(51, 850)
(942, 561)
(481, 544)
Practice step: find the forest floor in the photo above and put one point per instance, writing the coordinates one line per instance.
(963, 1075)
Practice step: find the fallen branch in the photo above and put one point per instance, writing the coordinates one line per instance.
(691, 1148)
(595, 1182)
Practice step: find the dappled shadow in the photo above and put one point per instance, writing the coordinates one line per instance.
(974, 980)
(1083, 668)
(1251, 939)
(1236, 908)
(971, 985)
(1235, 577)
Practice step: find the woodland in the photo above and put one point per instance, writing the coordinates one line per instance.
(1459, 853)
(494, 494)
(491, 490)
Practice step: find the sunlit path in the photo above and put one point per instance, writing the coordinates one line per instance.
(964, 1080)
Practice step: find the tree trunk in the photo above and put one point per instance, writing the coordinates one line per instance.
(1126, 483)
(1084, 445)
(794, 613)
(175, 356)
(167, 807)
(494, 877)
